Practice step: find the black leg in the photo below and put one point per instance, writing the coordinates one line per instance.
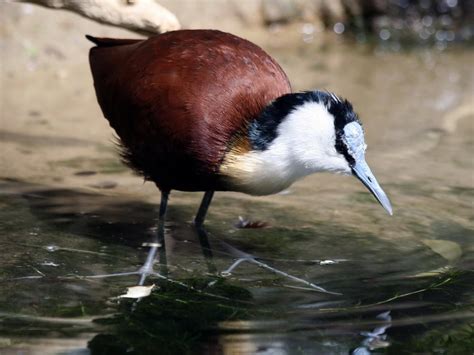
(206, 249)
(162, 216)
(202, 234)
(163, 204)
(158, 245)
(161, 232)
(201, 214)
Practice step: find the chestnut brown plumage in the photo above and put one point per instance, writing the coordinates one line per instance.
(203, 110)
(178, 100)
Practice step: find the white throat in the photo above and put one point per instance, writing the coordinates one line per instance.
(305, 144)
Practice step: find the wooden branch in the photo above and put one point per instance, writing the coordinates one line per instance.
(142, 16)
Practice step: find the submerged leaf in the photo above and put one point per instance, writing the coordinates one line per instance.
(248, 224)
(447, 249)
(137, 292)
(431, 273)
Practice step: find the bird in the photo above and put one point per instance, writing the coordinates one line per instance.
(205, 110)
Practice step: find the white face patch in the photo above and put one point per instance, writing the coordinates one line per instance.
(354, 140)
(305, 144)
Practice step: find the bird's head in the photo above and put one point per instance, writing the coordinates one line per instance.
(302, 133)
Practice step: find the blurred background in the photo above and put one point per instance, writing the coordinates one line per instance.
(69, 209)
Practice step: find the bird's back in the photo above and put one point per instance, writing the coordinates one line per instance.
(177, 100)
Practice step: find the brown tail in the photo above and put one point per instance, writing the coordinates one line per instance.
(107, 60)
(110, 42)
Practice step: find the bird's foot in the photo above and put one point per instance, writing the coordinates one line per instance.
(245, 257)
(145, 271)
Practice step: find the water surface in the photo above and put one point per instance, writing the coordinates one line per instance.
(403, 283)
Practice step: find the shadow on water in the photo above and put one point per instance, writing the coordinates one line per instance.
(53, 238)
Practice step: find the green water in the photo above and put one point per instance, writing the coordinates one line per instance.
(50, 243)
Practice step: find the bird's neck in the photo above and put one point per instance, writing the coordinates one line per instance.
(274, 152)
(261, 172)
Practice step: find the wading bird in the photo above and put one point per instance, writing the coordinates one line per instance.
(204, 110)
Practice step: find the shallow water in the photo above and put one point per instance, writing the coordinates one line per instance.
(417, 109)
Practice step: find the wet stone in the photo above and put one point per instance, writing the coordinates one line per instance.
(107, 184)
(85, 173)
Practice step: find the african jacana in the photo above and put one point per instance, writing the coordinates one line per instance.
(204, 110)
